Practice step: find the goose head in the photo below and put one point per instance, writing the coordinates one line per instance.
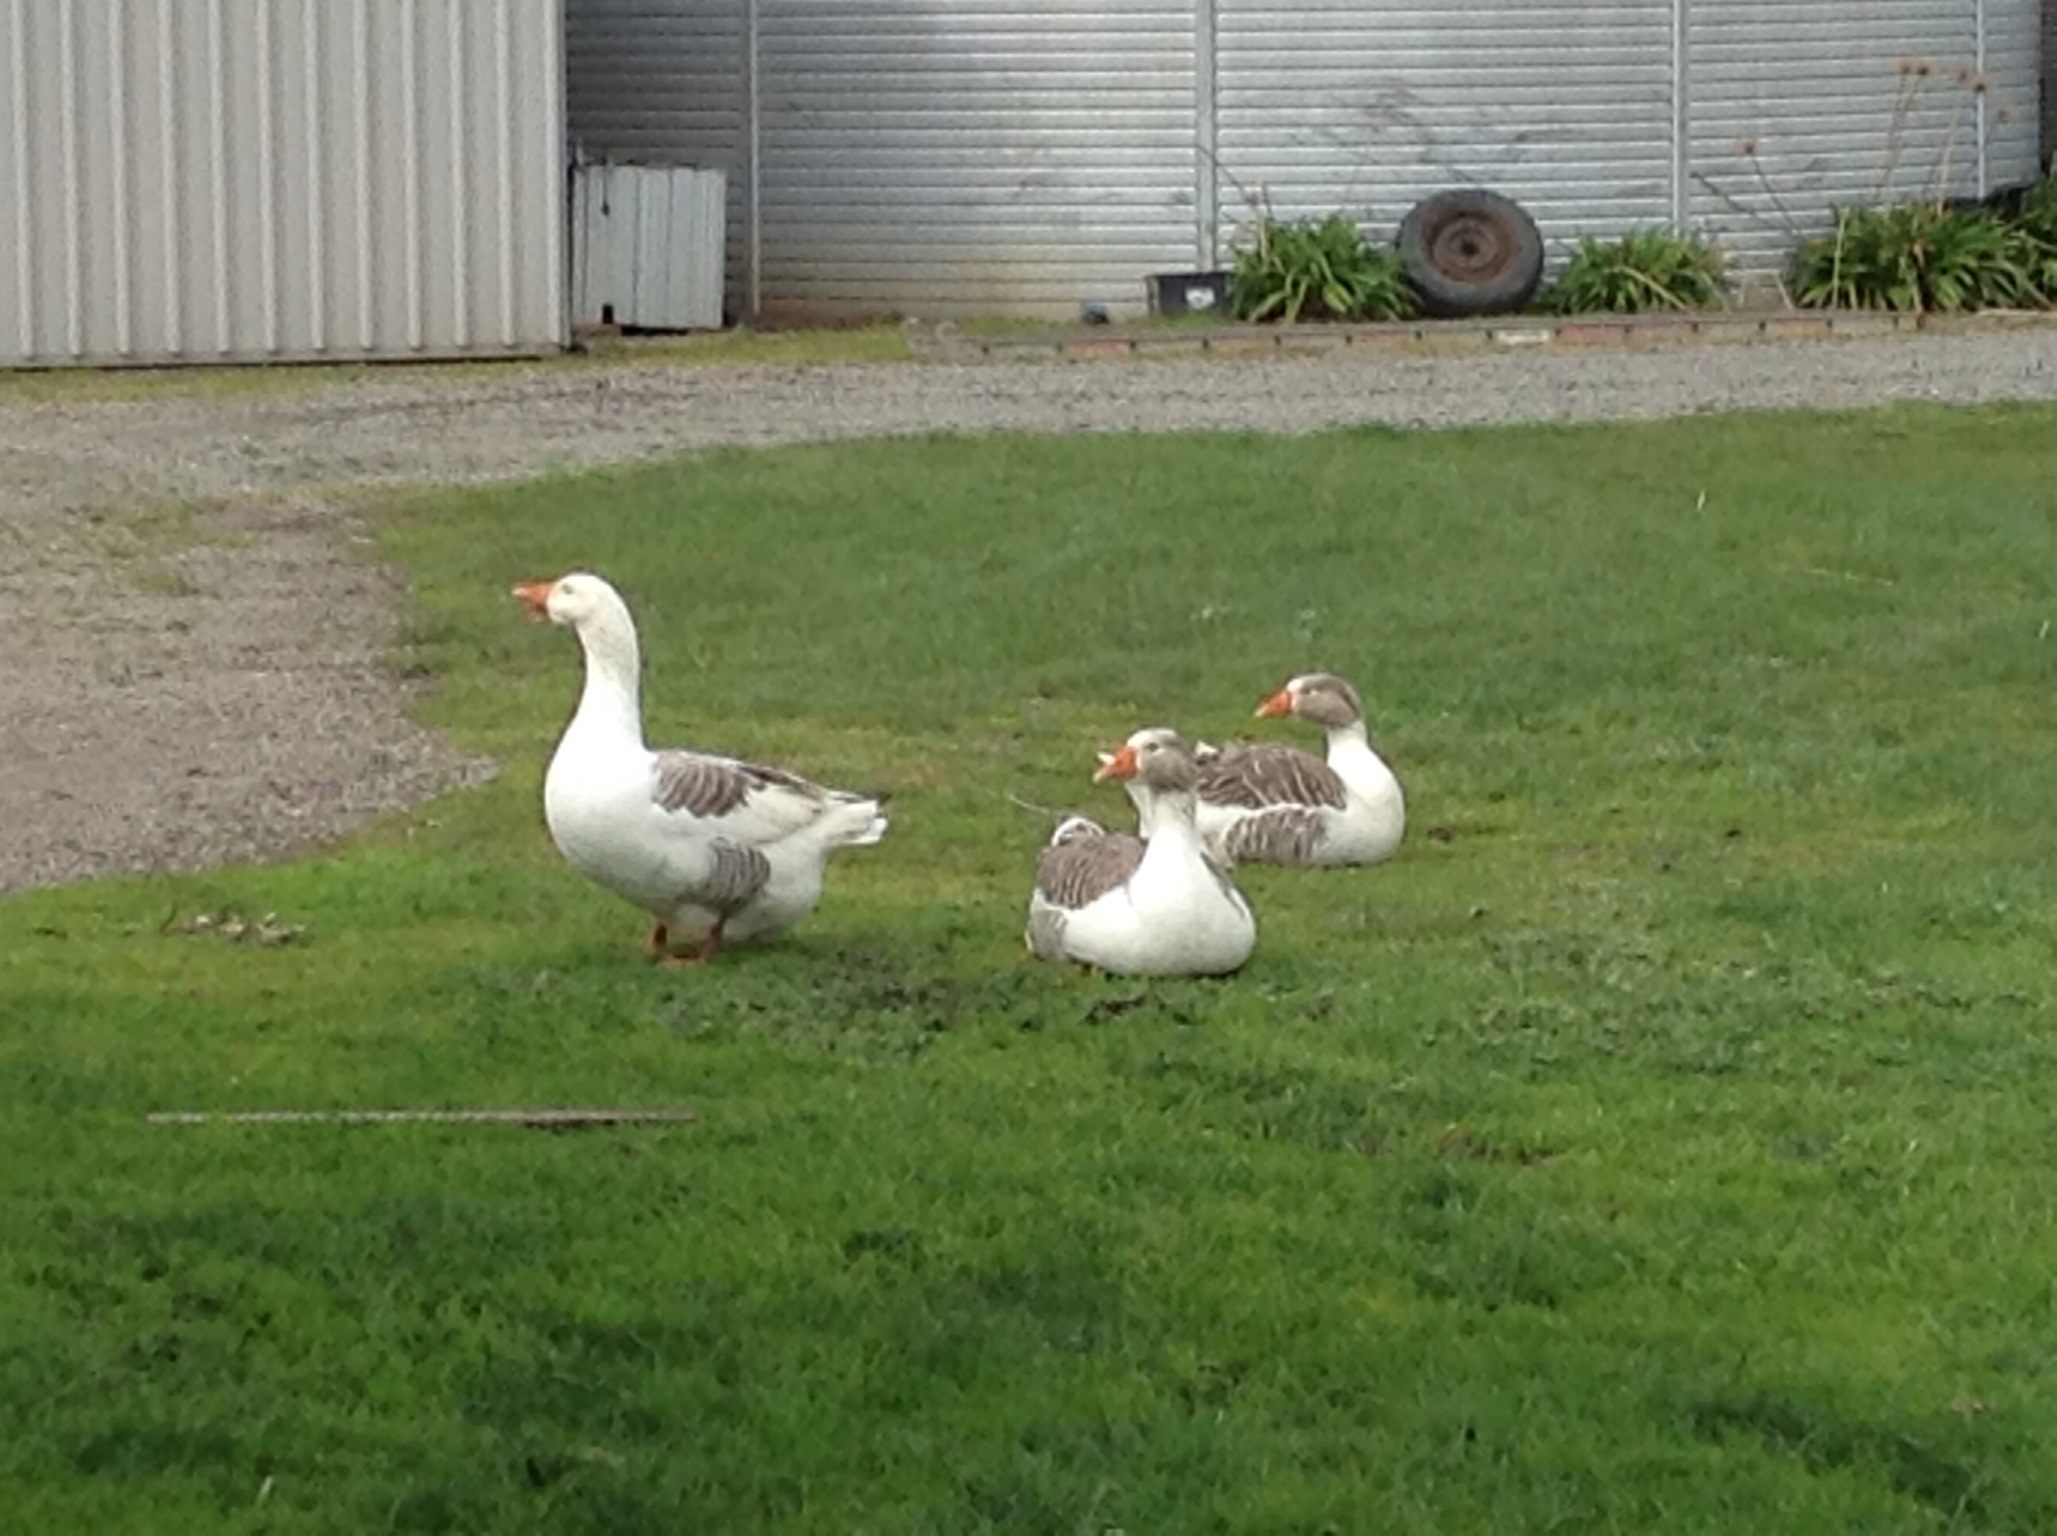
(574, 600)
(590, 607)
(1321, 698)
(1155, 757)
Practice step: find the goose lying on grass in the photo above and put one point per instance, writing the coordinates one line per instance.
(719, 851)
(1154, 905)
(1267, 803)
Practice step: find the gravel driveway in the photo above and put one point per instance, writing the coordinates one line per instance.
(196, 637)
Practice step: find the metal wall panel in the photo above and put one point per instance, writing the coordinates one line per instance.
(2012, 61)
(963, 156)
(1340, 104)
(1796, 109)
(662, 82)
(646, 246)
(2049, 149)
(268, 180)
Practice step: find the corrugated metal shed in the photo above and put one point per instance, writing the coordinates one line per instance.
(663, 82)
(2050, 87)
(267, 180)
(1331, 104)
(2011, 60)
(979, 155)
(961, 156)
(1795, 110)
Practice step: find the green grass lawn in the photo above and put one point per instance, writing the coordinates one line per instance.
(1664, 1142)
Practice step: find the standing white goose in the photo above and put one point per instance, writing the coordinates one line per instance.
(1154, 905)
(1267, 803)
(718, 851)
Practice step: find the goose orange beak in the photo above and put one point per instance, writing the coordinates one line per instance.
(1120, 766)
(536, 596)
(1280, 703)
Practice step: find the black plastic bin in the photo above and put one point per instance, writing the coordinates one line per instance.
(1188, 293)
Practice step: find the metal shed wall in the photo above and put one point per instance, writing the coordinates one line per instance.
(664, 82)
(271, 180)
(1327, 104)
(959, 156)
(974, 155)
(2014, 66)
(2049, 150)
(1798, 109)
(938, 156)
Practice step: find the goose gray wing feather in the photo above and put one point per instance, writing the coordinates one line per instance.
(1076, 873)
(739, 874)
(1279, 834)
(1072, 874)
(701, 784)
(1045, 932)
(1267, 774)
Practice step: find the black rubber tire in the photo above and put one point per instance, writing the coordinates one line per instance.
(1471, 252)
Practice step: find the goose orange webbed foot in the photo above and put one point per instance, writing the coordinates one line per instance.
(709, 948)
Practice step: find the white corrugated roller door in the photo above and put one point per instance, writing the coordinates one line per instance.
(2012, 51)
(1795, 109)
(1368, 107)
(966, 156)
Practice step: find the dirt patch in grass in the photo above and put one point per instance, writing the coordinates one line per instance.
(195, 691)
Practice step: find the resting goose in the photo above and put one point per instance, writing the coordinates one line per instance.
(1154, 905)
(1273, 804)
(719, 851)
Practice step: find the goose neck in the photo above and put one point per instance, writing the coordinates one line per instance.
(1164, 813)
(612, 700)
(1348, 739)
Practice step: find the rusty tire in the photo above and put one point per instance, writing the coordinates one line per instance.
(1471, 252)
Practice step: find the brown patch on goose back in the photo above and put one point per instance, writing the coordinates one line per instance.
(1080, 871)
(708, 786)
(1286, 834)
(1260, 776)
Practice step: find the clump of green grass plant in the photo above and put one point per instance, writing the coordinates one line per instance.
(2034, 220)
(1644, 270)
(1920, 251)
(1316, 269)
(1921, 257)
(1656, 1144)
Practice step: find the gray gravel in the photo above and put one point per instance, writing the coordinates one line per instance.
(197, 637)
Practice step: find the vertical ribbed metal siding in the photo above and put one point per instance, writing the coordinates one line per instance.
(1798, 108)
(254, 180)
(661, 82)
(958, 156)
(1328, 104)
(647, 245)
